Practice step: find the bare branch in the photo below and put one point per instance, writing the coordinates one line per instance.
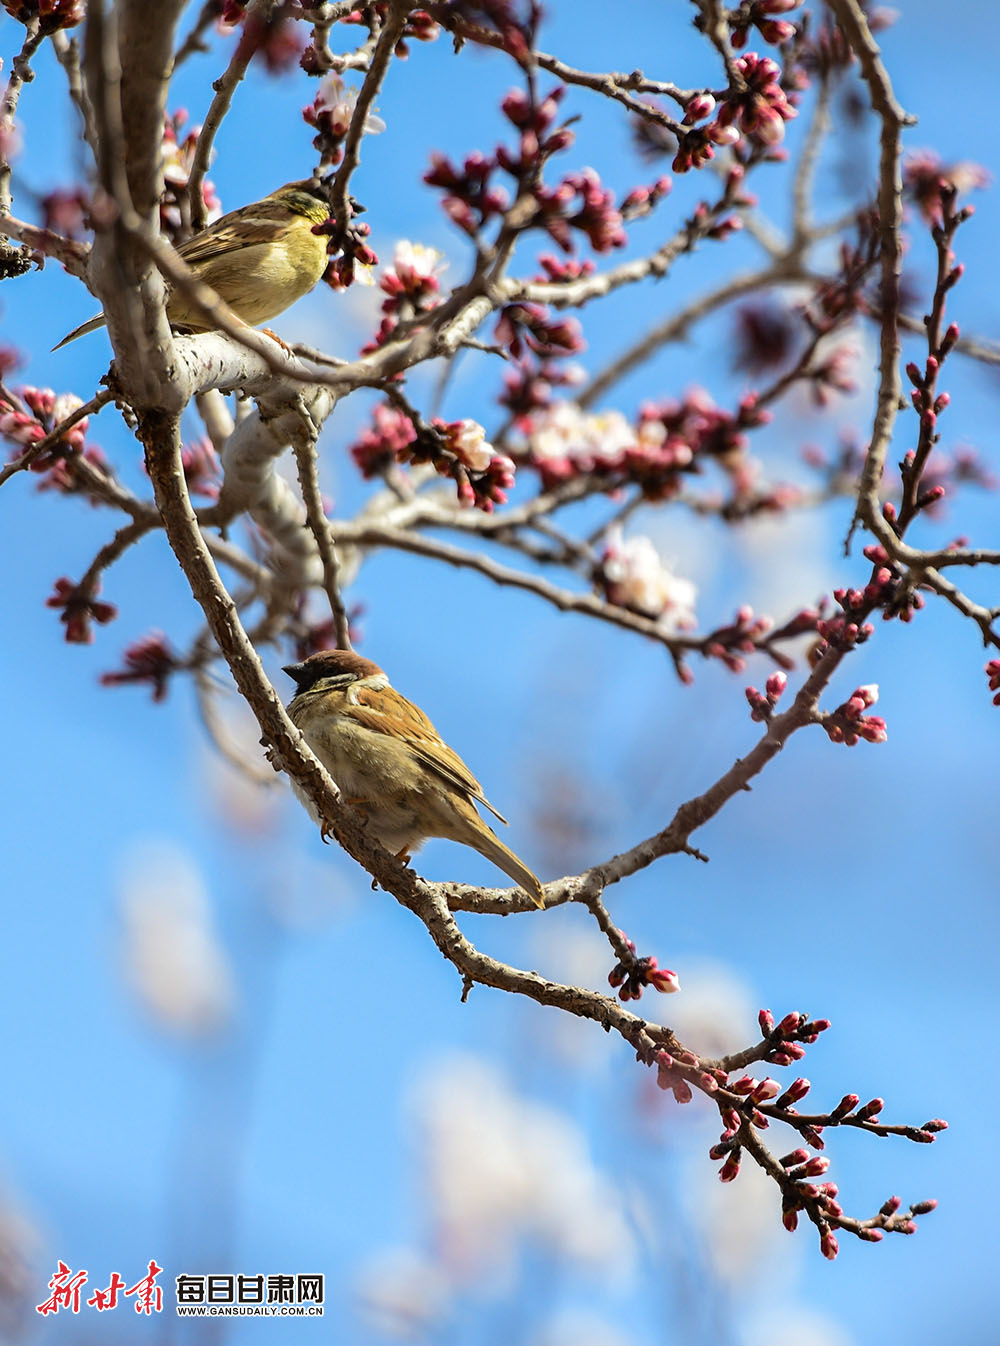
(258, 12)
(852, 20)
(304, 448)
(381, 57)
(21, 73)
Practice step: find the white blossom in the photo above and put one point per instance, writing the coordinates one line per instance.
(335, 97)
(171, 954)
(416, 259)
(564, 431)
(500, 1167)
(404, 1293)
(472, 446)
(637, 577)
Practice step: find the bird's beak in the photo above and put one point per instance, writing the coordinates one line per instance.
(293, 670)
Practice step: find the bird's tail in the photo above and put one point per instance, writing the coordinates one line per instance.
(487, 843)
(91, 325)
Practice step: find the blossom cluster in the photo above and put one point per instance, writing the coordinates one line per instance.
(631, 975)
(761, 706)
(993, 674)
(66, 211)
(579, 203)
(34, 416)
(640, 200)
(844, 629)
(931, 184)
(147, 660)
(330, 114)
(51, 14)
(411, 286)
(457, 449)
(749, 117)
(79, 607)
(743, 634)
(633, 575)
(888, 588)
(42, 410)
(848, 723)
(202, 470)
(669, 439)
(760, 14)
(351, 259)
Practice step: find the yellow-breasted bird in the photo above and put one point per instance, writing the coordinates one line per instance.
(258, 259)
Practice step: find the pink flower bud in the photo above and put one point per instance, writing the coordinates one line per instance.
(816, 1166)
(796, 1090)
(730, 1169)
(775, 685)
(789, 1024)
(662, 979)
(698, 107)
(846, 1105)
(871, 1109)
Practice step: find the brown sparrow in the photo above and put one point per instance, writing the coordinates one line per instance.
(390, 762)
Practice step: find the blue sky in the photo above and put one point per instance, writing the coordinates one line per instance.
(856, 884)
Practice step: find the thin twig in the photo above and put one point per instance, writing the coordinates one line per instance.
(195, 39)
(676, 327)
(258, 13)
(21, 73)
(71, 254)
(67, 51)
(30, 455)
(340, 207)
(304, 449)
(854, 24)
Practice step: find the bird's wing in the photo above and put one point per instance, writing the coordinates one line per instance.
(392, 714)
(263, 222)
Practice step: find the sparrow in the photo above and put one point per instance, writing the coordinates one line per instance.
(390, 762)
(258, 259)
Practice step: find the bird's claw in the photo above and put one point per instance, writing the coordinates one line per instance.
(274, 337)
